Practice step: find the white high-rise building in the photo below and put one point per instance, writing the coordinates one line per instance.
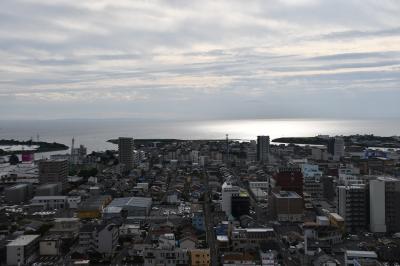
(384, 193)
(336, 148)
(377, 206)
(228, 190)
(263, 148)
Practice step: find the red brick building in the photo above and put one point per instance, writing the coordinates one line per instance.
(289, 179)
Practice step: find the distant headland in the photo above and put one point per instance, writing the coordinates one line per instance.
(11, 146)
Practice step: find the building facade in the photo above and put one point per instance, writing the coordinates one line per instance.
(23, 250)
(384, 205)
(287, 206)
(228, 190)
(54, 171)
(263, 148)
(289, 179)
(102, 238)
(125, 150)
(352, 205)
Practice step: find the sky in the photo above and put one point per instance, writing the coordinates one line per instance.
(199, 59)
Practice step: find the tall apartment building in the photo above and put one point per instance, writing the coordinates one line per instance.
(384, 205)
(352, 203)
(54, 171)
(125, 150)
(263, 148)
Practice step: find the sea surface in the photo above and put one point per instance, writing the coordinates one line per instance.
(94, 133)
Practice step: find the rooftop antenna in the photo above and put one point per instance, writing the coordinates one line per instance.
(72, 146)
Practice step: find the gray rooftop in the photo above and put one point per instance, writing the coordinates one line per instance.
(131, 201)
(23, 240)
(287, 194)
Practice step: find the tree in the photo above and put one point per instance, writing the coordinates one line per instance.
(13, 160)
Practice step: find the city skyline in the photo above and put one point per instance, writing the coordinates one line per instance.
(199, 60)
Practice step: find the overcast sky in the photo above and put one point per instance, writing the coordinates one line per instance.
(199, 59)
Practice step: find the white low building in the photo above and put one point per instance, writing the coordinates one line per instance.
(50, 202)
(357, 257)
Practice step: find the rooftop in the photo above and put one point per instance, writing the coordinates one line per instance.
(287, 194)
(363, 254)
(222, 238)
(131, 201)
(23, 240)
(112, 209)
(387, 179)
(94, 202)
(336, 216)
(50, 198)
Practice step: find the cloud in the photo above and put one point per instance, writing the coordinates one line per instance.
(197, 58)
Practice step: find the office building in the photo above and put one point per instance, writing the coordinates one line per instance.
(289, 179)
(18, 193)
(352, 203)
(263, 148)
(336, 148)
(102, 238)
(314, 188)
(93, 207)
(384, 193)
(240, 204)
(133, 206)
(125, 150)
(23, 250)
(287, 206)
(328, 187)
(228, 190)
(54, 171)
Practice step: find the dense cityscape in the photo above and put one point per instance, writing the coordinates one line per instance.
(203, 202)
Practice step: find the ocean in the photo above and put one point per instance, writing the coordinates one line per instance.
(94, 133)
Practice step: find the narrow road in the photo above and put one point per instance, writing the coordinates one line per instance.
(210, 233)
